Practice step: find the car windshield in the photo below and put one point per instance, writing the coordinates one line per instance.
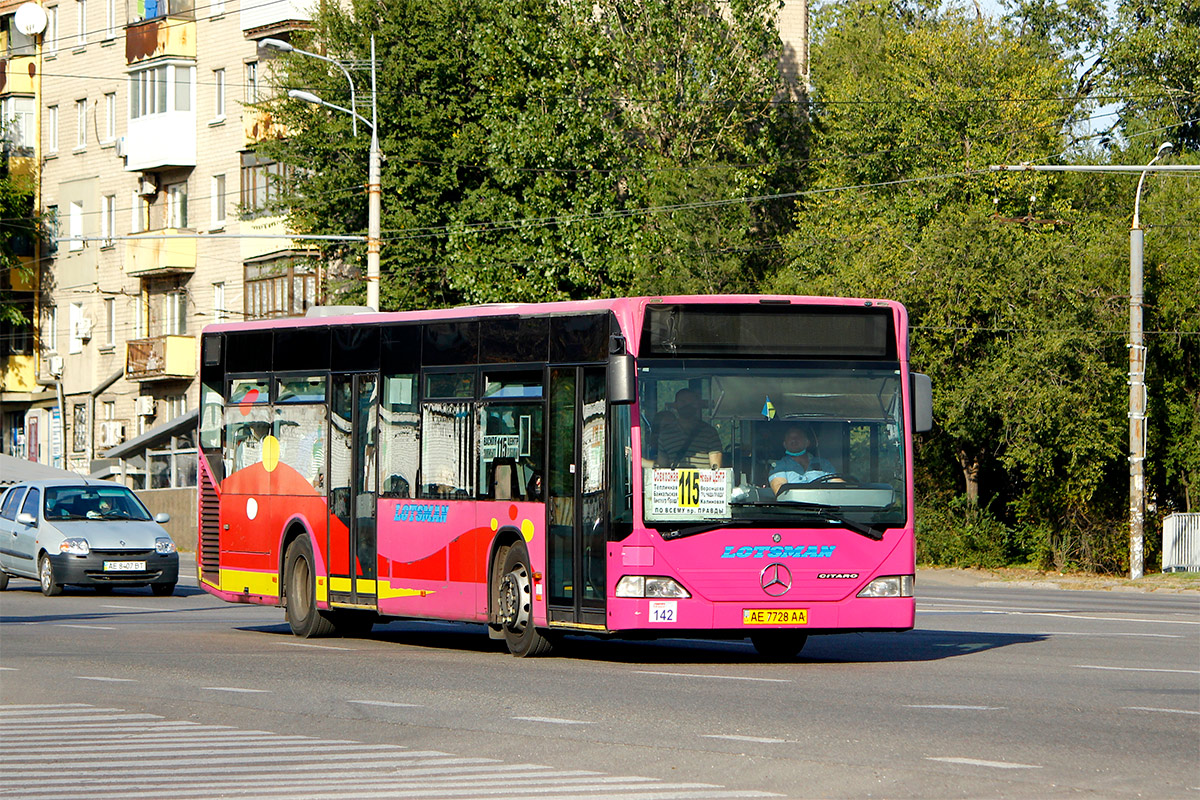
(93, 502)
(775, 444)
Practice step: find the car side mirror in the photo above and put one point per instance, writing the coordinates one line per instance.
(162, 517)
(25, 518)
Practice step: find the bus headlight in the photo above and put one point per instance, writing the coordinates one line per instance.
(650, 586)
(889, 586)
(74, 546)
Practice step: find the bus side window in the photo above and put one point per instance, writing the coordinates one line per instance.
(399, 436)
(447, 469)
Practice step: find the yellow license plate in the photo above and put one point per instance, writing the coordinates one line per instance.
(775, 616)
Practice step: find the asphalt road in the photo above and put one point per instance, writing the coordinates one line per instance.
(999, 692)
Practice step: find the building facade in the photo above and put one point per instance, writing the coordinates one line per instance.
(152, 187)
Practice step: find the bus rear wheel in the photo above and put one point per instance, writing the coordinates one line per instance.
(300, 593)
(780, 646)
(514, 605)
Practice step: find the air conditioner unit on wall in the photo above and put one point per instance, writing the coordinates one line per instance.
(111, 434)
(147, 186)
(144, 405)
(82, 329)
(121, 147)
(55, 365)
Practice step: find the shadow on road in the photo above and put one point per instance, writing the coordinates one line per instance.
(852, 648)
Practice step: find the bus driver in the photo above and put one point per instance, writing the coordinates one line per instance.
(797, 464)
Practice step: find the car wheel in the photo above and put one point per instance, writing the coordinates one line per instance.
(300, 592)
(514, 604)
(3, 581)
(162, 589)
(50, 585)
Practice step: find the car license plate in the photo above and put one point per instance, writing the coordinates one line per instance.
(774, 616)
(124, 566)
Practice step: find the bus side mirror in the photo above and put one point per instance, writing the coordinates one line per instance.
(921, 391)
(622, 380)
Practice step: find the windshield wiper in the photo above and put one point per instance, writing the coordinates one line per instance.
(831, 514)
(705, 527)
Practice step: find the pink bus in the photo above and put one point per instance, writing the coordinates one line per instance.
(709, 466)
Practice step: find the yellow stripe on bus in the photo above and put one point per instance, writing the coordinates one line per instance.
(242, 581)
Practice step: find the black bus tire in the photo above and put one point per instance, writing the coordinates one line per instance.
(300, 593)
(514, 605)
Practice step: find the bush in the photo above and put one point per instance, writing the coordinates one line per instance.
(957, 533)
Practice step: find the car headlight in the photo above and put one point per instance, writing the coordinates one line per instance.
(75, 546)
(164, 545)
(889, 586)
(650, 586)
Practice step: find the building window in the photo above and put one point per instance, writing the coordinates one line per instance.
(110, 19)
(139, 317)
(75, 231)
(110, 116)
(81, 16)
(252, 82)
(219, 94)
(52, 128)
(219, 312)
(108, 219)
(177, 207)
(18, 123)
(175, 313)
(51, 32)
(50, 329)
(79, 427)
(110, 323)
(108, 410)
(80, 123)
(76, 321)
(283, 287)
(262, 184)
(149, 90)
(218, 201)
(172, 464)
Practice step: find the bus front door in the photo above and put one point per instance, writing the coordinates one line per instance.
(352, 475)
(577, 498)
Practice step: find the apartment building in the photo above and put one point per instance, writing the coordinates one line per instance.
(150, 180)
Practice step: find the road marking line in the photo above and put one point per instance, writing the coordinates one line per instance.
(314, 646)
(1139, 669)
(555, 720)
(384, 703)
(714, 677)
(42, 711)
(1164, 710)
(134, 608)
(87, 627)
(960, 708)
(1107, 634)
(976, 762)
(9, 669)
(755, 739)
(235, 689)
(109, 680)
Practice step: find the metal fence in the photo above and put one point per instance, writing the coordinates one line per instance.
(1181, 543)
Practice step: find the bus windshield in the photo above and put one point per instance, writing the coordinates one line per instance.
(772, 444)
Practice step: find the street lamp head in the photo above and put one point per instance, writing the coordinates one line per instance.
(307, 97)
(1164, 148)
(275, 44)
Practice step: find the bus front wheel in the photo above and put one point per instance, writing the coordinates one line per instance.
(514, 605)
(300, 596)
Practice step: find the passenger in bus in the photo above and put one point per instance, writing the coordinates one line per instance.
(798, 464)
(682, 439)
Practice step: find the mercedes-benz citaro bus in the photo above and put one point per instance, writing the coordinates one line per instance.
(701, 466)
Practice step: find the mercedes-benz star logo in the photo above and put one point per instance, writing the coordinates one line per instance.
(776, 580)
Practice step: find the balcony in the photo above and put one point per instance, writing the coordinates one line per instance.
(18, 374)
(160, 30)
(17, 75)
(259, 125)
(161, 358)
(158, 253)
(268, 19)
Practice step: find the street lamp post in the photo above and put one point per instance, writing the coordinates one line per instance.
(1137, 384)
(374, 186)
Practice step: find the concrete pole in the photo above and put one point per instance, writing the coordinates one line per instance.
(1137, 384)
(374, 199)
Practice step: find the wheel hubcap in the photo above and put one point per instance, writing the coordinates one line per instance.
(514, 604)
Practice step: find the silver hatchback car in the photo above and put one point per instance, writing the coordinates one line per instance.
(84, 532)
